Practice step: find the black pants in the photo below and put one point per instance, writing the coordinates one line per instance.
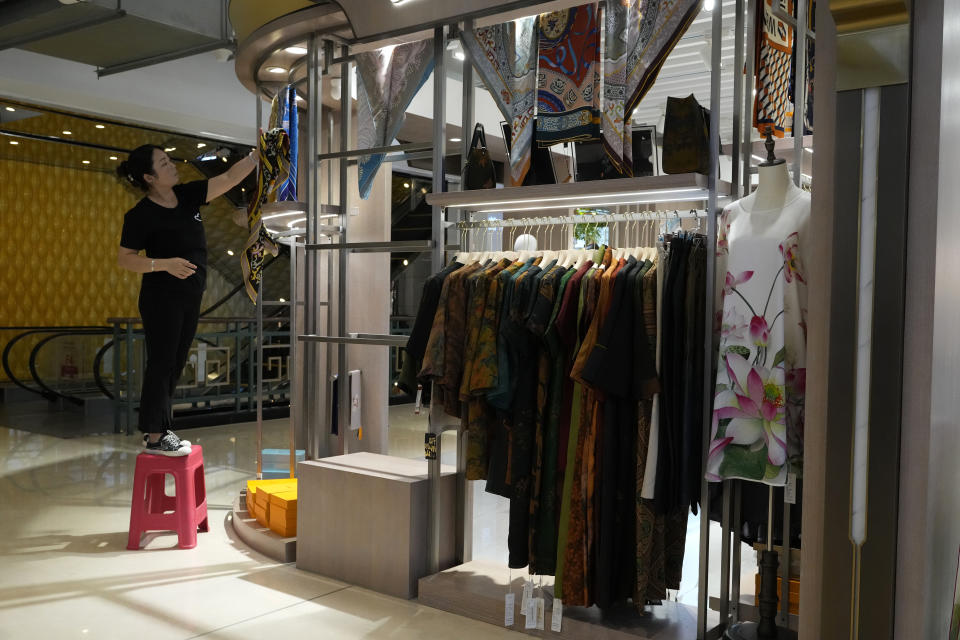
(169, 325)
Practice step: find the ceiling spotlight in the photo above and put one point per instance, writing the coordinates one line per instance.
(276, 70)
(86, 162)
(224, 159)
(10, 109)
(406, 185)
(113, 157)
(229, 252)
(67, 133)
(406, 262)
(459, 54)
(423, 190)
(282, 300)
(456, 139)
(14, 142)
(201, 145)
(297, 50)
(169, 149)
(99, 126)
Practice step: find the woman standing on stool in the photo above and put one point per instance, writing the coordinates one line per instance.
(167, 226)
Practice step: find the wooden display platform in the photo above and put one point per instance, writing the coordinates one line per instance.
(476, 590)
(260, 538)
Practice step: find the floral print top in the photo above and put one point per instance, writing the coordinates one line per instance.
(757, 426)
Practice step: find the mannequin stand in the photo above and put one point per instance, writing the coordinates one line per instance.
(767, 628)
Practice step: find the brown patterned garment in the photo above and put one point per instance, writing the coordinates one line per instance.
(456, 335)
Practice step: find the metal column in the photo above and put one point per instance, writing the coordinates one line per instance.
(343, 382)
(308, 414)
(716, 41)
(799, 93)
(436, 260)
(259, 359)
(738, 107)
(750, 85)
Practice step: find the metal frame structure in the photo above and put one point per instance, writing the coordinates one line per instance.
(336, 51)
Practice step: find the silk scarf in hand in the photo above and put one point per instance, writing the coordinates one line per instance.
(274, 150)
(283, 114)
(505, 56)
(389, 78)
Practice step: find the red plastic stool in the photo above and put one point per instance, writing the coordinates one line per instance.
(150, 501)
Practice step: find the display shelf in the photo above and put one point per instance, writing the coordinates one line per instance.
(684, 187)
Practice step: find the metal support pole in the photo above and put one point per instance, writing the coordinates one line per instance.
(750, 86)
(704, 592)
(738, 106)
(295, 408)
(799, 90)
(343, 380)
(238, 365)
(436, 259)
(464, 496)
(259, 352)
(307, 388)
(735, 570)
(725, 558)
(129, 378)
(116, 377)
(784, 618)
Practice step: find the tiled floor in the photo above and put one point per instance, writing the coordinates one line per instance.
(66, 573)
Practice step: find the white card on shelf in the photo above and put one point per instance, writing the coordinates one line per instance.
(508, 606)
(557, 619)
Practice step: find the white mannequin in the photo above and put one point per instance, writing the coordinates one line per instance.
(774, 191)
(525, 242)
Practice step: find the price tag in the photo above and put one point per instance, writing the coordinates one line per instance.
(419, 403)
(557, 615)
(540, 611)
(531, 613)
(527, 596)
(508, 606)
(790, 491)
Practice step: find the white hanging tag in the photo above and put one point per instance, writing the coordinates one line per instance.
(508, 606)
(419, 403)
(527, 595)
(557, 615)
(531, 613)
(790, 491)
(540, 611)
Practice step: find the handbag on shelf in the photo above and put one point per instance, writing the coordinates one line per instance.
(686, 137)
(478, 170)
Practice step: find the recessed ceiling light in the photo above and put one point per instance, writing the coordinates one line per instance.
(406, 262)
(14, 142)
(456, 139)
(276, 70)
(99, 126)
(10, 109)
(229, 252)
(113, 157)
(406, 185)
(201, 145)
(297, 50)
(224, 159)
(67, 133)
(282, 300)
(169, 149)
(86, 162)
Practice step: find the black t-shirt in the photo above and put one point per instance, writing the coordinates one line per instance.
(170, 233)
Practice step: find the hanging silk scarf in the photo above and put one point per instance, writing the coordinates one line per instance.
(389, 78)
(639, 35)
(773, 108)
(283, 115)
(505, 55)
(568, 75)
(274, 149)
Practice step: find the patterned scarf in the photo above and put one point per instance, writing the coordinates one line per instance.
(568, 75)
(773, 107)
(274, 150)
(283, 114)
(640, 34)
(389, 79)
(505, 56)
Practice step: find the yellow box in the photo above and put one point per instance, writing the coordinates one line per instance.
(794, 594)
(281, 484)
(283, 513)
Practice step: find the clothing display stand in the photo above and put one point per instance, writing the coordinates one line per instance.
(329, 46)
